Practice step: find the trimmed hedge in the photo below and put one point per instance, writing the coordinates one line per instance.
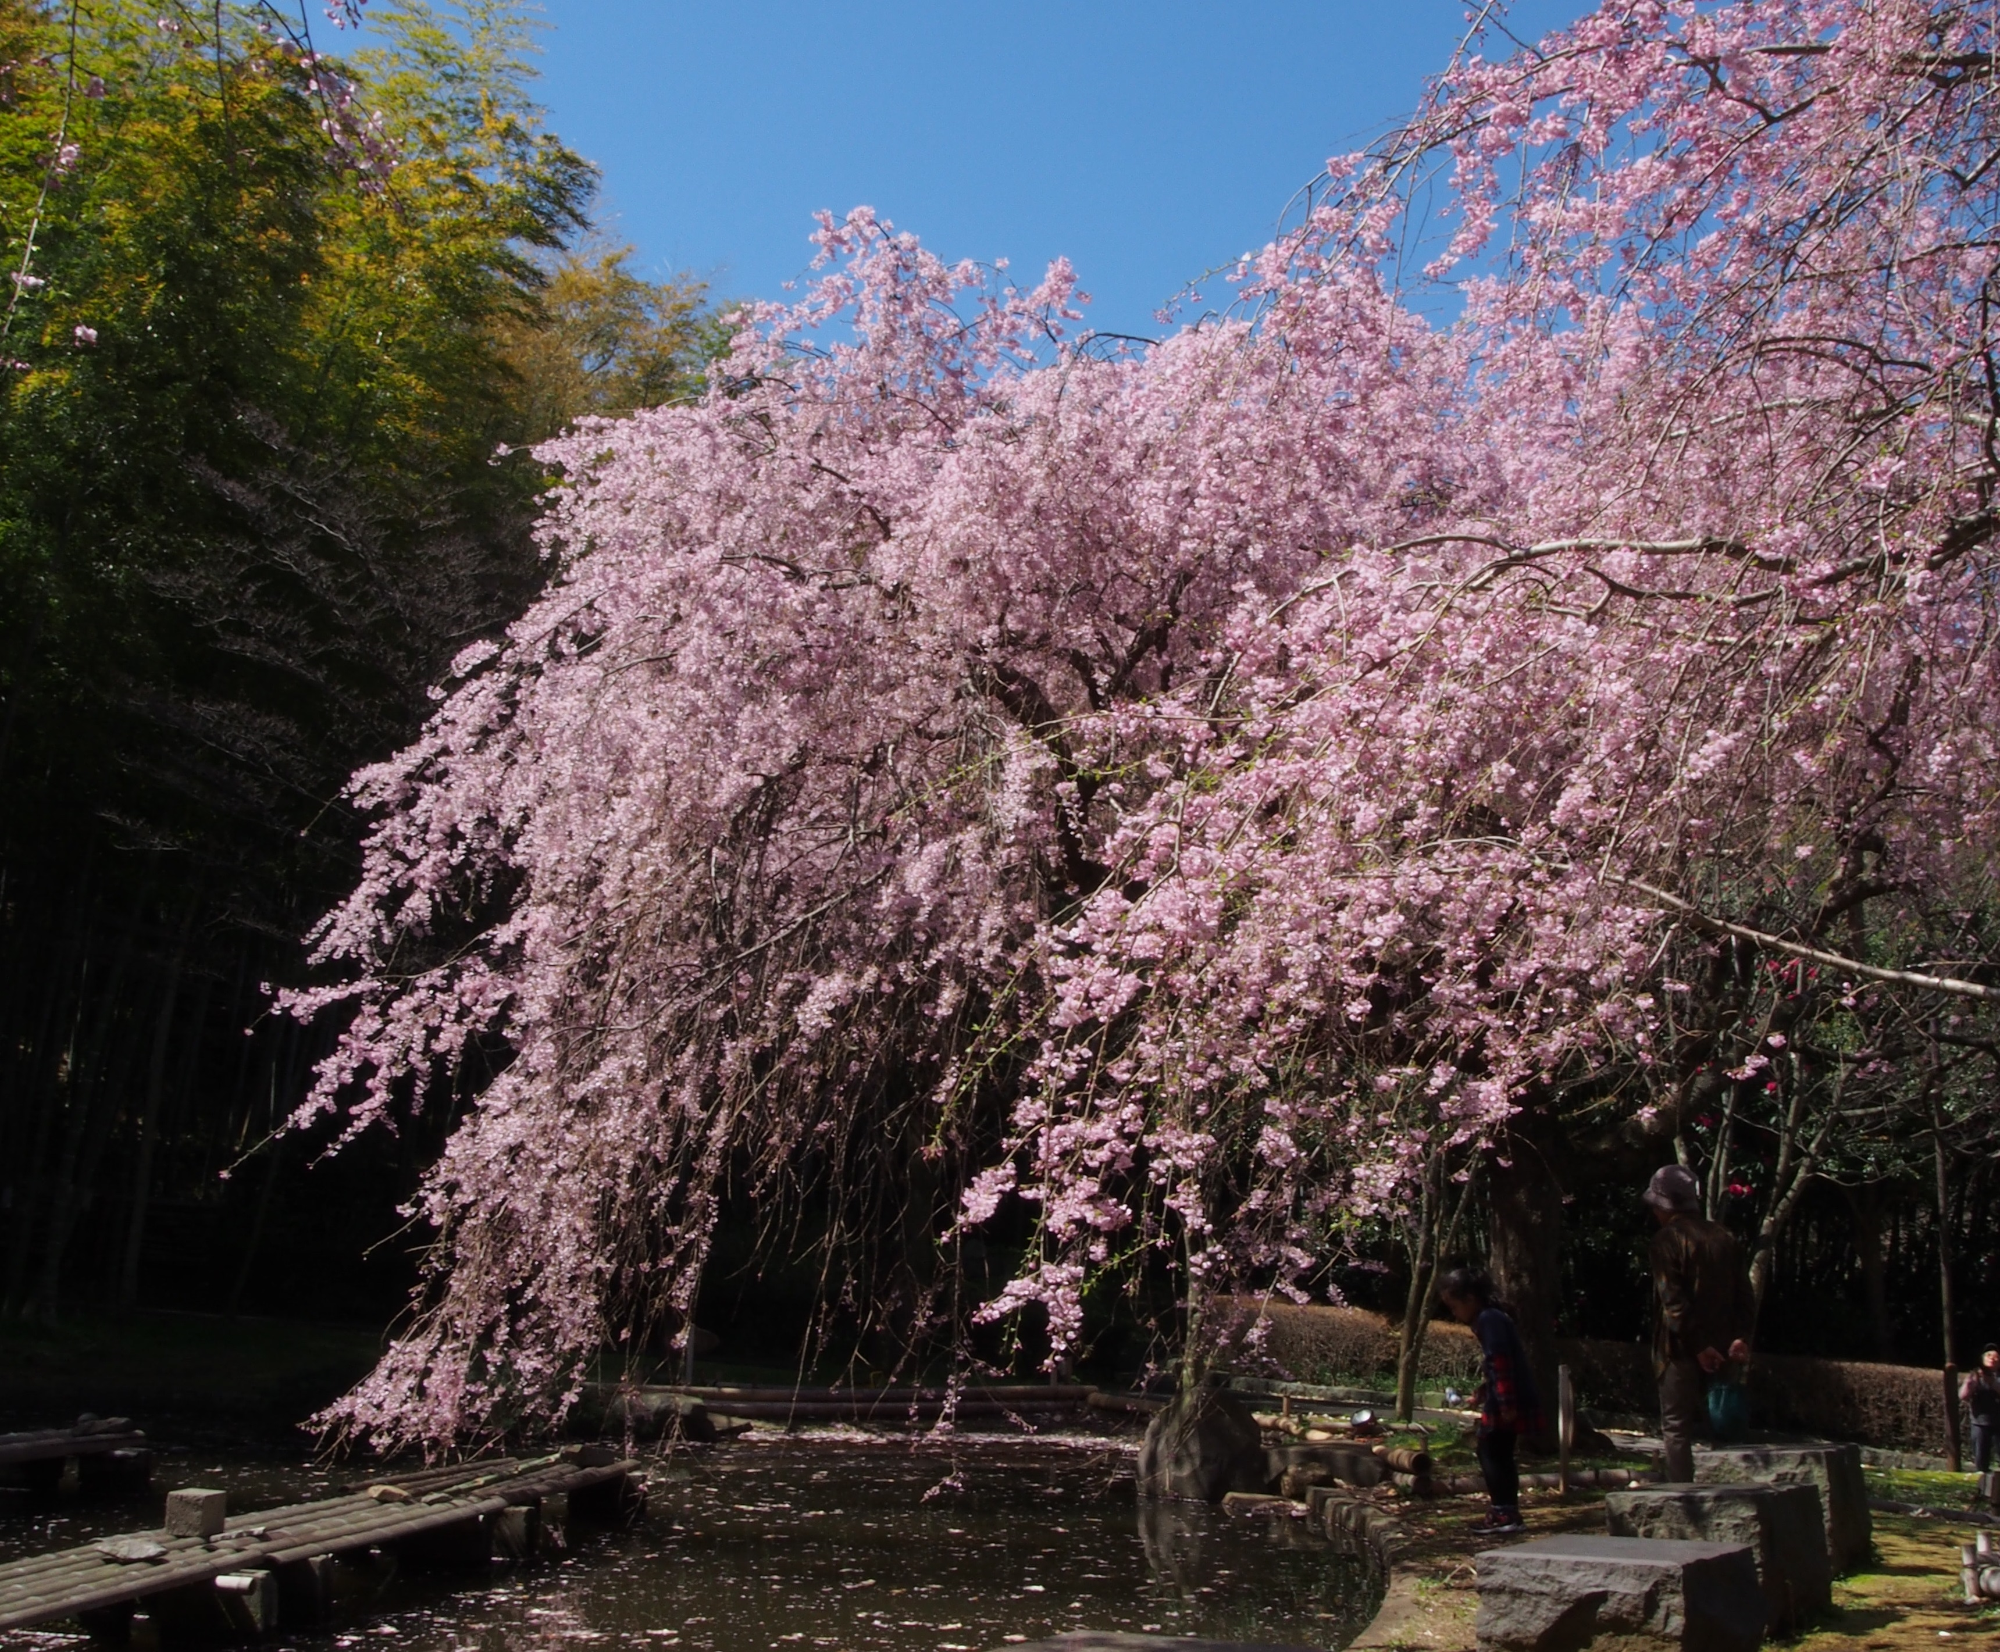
(1897, 1406)
(1314, 1344)
(1901, 1406)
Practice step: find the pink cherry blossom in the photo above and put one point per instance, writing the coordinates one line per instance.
(1188, 796)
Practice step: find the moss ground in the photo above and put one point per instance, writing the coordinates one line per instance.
(1933, 1488)
(1909, 1597)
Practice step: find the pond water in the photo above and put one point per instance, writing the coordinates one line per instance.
(807, 1543)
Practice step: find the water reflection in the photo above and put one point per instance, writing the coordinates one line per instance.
(798, 1544)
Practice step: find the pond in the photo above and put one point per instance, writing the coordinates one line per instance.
(806, 1543)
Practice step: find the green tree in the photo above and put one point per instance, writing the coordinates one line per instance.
(607, 341)
(276, 319)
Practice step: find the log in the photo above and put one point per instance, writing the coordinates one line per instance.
(1015, 1394)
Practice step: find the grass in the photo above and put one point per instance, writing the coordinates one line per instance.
(1932, 1487)
(1910, 1597)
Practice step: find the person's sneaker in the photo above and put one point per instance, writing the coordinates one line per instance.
(1497, 1524)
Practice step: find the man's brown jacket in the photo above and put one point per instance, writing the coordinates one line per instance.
(1701, 1295)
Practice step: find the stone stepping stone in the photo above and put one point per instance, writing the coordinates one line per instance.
(1834, 1468)
(1780, 1525)
(1561, 1594)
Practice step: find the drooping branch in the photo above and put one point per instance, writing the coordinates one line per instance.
(1797, 949)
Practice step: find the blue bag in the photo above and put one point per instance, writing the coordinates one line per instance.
(1728, 1411)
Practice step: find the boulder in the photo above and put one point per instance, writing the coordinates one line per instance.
(1202, 1445)
(1834, 1469)
(677, 1415)
(647, 1413)
(1780, 1525)
(1642, 1595)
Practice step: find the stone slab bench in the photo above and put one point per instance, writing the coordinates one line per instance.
(1780, 1525)
(1561, 1594)
(1834, 1469)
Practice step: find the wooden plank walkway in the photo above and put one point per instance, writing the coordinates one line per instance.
(270, 1567)
(110, 1455)
(86, 1439)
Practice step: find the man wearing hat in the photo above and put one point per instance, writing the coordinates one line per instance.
(1702, 1307)
(1981, 1393)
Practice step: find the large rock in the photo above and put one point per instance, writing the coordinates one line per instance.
(1780, 1525)
(1639, 1595)
(1834, 1469)
(1203, 1445)
(645, 1413)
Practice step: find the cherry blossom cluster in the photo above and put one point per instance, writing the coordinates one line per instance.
(1185, 791)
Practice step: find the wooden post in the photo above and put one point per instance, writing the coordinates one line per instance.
(513, 1531)
(114, 1473)
(463, 1545)
(249, 1601)
(305, 1592)
(1952, 1454)
(1565, 1423)
(44, 1475)
(112, 1625)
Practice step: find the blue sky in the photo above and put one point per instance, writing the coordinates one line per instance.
(1147, 142)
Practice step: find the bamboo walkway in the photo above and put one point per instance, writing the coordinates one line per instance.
(273, 1568)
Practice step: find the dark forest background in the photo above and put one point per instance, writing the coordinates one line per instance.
(280, 329)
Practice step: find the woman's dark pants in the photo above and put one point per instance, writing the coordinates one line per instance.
(1496, 1462)
(1982, 1445)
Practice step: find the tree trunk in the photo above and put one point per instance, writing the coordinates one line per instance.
(104, 1114)
(1525, 1216)
(84, 1104)
(290, 1064)
(1793, 1173)
(1416, 1313)
(1944, 1243)
(255, 1241)
(149, 1116)
(1439, 1216)
(1864, 1204)
(48, 1070)
(31, 1107)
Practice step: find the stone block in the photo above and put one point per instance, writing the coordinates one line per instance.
(196, 1511)
(1780, 1525)
(1834, 1468)
(1562, 1594)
